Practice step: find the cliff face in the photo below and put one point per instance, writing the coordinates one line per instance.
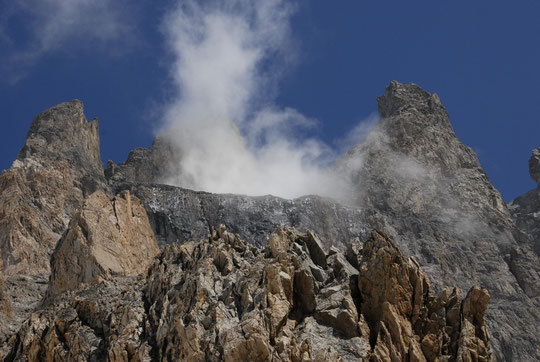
(289, 294)
(415, 180)
(430, 193)
(57, 168)
(105, 238)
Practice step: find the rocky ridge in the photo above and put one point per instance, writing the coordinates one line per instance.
(145, 165)
(57, 168)
(416, 181)
(223, 299)
(429, 192)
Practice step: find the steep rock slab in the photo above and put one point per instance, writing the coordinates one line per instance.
(105, 238)
(420, 184)
(58, 166)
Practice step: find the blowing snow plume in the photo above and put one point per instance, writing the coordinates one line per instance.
(230, 136)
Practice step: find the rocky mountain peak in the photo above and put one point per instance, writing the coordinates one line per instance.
(534, 166)
(399, 98)
(62, 132)
(415, 123)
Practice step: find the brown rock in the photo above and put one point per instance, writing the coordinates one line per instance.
(218, 299)
(59, 165)
(105, 238)
(406, 319)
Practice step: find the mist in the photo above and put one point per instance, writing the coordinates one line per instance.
(231, 136)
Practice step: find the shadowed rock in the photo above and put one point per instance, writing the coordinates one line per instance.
(534, 166)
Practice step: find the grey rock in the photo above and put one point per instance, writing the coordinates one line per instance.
(145, 165)
(428, 191)
(178, 214)
(526, 208)
(534, 166)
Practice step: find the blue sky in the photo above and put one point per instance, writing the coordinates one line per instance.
(480, 57)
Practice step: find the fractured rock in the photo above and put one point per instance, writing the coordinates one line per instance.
(105, 238)
(407, 320)
(534, 166)
(57, 168)
(423, 187)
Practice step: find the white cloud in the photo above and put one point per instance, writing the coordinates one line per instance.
(231, 135)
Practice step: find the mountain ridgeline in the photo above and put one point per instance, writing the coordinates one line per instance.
(423, 262)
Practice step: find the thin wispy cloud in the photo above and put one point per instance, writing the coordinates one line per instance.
(31, 29)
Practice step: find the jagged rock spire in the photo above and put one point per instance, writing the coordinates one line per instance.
(534, 166)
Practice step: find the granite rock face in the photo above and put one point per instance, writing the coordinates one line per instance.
(428, 191)
(178, 214)
(285, 295)
(105, 238)
(223, 299)
(417, 182)
(57, 168)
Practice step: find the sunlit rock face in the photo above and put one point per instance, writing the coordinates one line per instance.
(105, 238)
(59, 165)
(222, 299)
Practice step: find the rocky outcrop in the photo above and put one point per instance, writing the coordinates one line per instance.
(534, 166)
(223, 299)
(58, 166)
(105, 238)
(145, 165)
(407, 320)
(526, 208)
(101, 322)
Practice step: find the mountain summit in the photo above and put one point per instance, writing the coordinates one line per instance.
(378, 278)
